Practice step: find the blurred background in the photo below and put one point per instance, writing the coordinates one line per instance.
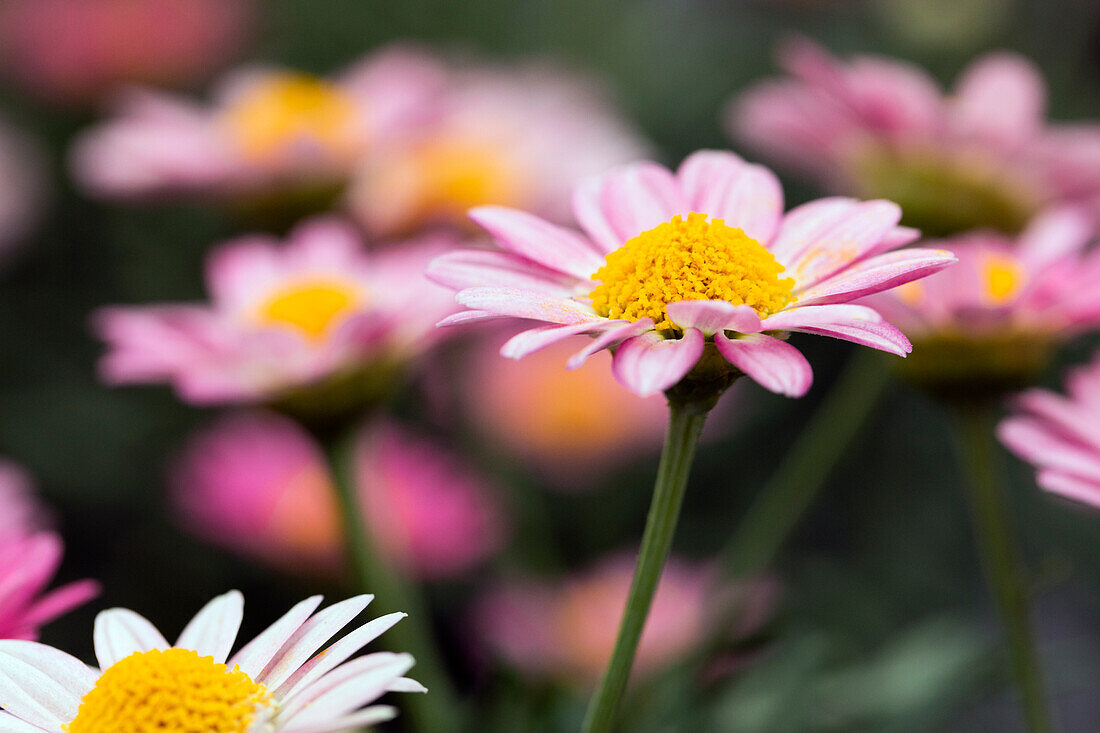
(872, 617)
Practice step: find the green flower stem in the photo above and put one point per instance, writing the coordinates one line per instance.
(438, 711)
(993, 532)
(784, 500)
(685, 424)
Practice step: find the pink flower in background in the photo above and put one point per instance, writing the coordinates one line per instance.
(1060, 435)
(566, 631)
(675, 265)
(1042, 282)
(983, 155)
(282, 317)
(541, 412)
(257, 484)
(22, 186)
(267, 130)
(518, 136)
(76, 51)
(29, 559)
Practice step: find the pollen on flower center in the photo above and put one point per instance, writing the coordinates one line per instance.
(311, 308)
(688, 259)
(290, 109)
(1003, 278)
(173, 690)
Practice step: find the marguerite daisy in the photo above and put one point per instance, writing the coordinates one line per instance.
(276, 682)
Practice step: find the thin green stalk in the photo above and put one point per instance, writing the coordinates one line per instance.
(684, 426)
(438, 711)
(993, 532)
(783, 501)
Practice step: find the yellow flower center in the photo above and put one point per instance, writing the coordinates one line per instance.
(292, 109)
(1003, 277)
(171, 690)
(311, 308)
(460, 175)
(688, 259)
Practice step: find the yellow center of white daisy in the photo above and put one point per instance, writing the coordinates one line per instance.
(1003, 277)
(688, 259)
(311, 308)
(289, 109)
(171, 690)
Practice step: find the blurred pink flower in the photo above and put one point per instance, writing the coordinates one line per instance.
(76, 51)
(1060, 436)
(983, 155)
(257, 484)
(316, 312)
(22, 186)
(268, 130)
(29, 559)
(566, 631)
(542, 412)
(1042, 283)
(520, 136)
(674, 265)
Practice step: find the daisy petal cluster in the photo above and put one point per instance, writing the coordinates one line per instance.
(999, 312)
(517, 136)
(256, 483)
(565, 631)
(29, 558)
(316, 312)
(266, 129)
(982, 155)
(277, 682)
(1060, 435)
(693, 269)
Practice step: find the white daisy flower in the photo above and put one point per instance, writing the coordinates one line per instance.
(276, 682)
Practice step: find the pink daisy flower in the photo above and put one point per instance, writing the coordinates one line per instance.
(257, 484)
(1006, 303)
(565, 631)
(982, 155)
(318, 311)
(29, 559)
(693, 269)
(1060, 435)
(519, 136)
(266, 130)
(280, 682)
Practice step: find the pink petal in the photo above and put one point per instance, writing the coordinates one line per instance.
(770, 362)
(712, 316)
(619, 331)
(526, 304)
(650, 363)
(1037, 443)
(534, 339)
(856, 323)
(627, 201)
(1055, 234)
(862, 233)
(545, 243)
(877, 274)
(722, 186)
(1002, 97)
(60, 601)
(807, 223)
(483, 268)
(1071, 487)
(461, 317)
(256, 654)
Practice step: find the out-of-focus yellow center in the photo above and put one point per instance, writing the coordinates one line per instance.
(1003, 277)
(459, 175)
(688, 259)
(170, 690)
(311, 308)
(293, 109)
